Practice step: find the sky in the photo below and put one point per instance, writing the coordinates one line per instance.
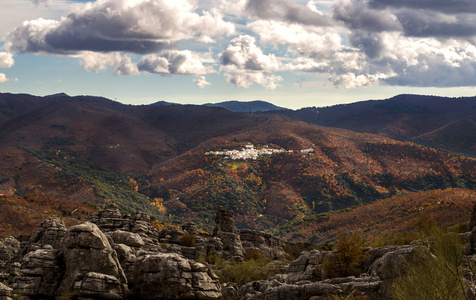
(293, 53)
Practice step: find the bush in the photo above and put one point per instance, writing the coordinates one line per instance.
(437, 277)
(187, 240)
(248, 271)
(348, 258)
(254, 254)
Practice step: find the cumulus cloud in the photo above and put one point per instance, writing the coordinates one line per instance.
(202, 82)
(306, 40)
(244, 63)
(356, 15)
(95, 62)
(173, 62)
(429, 23)
(446, 6)
(6, 60)
(3, 78)
(288, 11)
(140, 26)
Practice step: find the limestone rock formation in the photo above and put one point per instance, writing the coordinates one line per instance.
(227, 232)
(112, 220)
(51, 232)
(172, 276)
(9, 247)
(305, 267)
(272, 247)
(40, 273)
(87, 250)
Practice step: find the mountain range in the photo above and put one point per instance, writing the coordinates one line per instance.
(154, 157)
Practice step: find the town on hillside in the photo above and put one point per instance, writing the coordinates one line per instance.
(250, 152)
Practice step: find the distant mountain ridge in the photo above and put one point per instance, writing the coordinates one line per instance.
(247, 106)
(403, 117)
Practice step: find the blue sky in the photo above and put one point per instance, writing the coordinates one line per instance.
(292, 53)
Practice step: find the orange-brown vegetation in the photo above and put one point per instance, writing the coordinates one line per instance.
(388, 216)
(23, 215)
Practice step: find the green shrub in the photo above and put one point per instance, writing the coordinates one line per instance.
(437, 277)
(187, 240)
(248, 271)
(254, 254)
(348, 258)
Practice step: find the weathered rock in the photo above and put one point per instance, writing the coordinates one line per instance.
(40, 273)
(127, 257)
(305, 267)
(5, 292)
(393, 264)
(172, 276)
(171, 235)
(264, 290)
(86, 249)
(9, 247)
(230, 291)
(127, 238)
(98, 286)
(52, 232)
(229, 235)
(272, 247)
(111, 220)
(190, 228)
(367, 286)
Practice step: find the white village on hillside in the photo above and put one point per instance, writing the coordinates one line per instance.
(250, 152)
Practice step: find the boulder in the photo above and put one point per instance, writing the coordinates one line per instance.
(393, 263)
(305, 267)
(40, 273)
(127, 238)
(86, 249)
(98, 286)
(172, 276)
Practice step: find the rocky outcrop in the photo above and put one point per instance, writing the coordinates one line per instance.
(229, 235)
(9, 247)
(109, 220)
(52, 232)
(272, 247)
(120, 256)
(367, 286)
(5, 292)
(172, 276)
(40, 273)
(91, 264)
(305, 267)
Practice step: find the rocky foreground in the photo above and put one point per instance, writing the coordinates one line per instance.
(121, 256)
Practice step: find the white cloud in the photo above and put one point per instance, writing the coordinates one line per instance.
(244, 63)
(95, 62)
(309, 41)
(173, 62)
(6, 60)
(287, 11)
(3, 78)
(202, 82)
(139, 26)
